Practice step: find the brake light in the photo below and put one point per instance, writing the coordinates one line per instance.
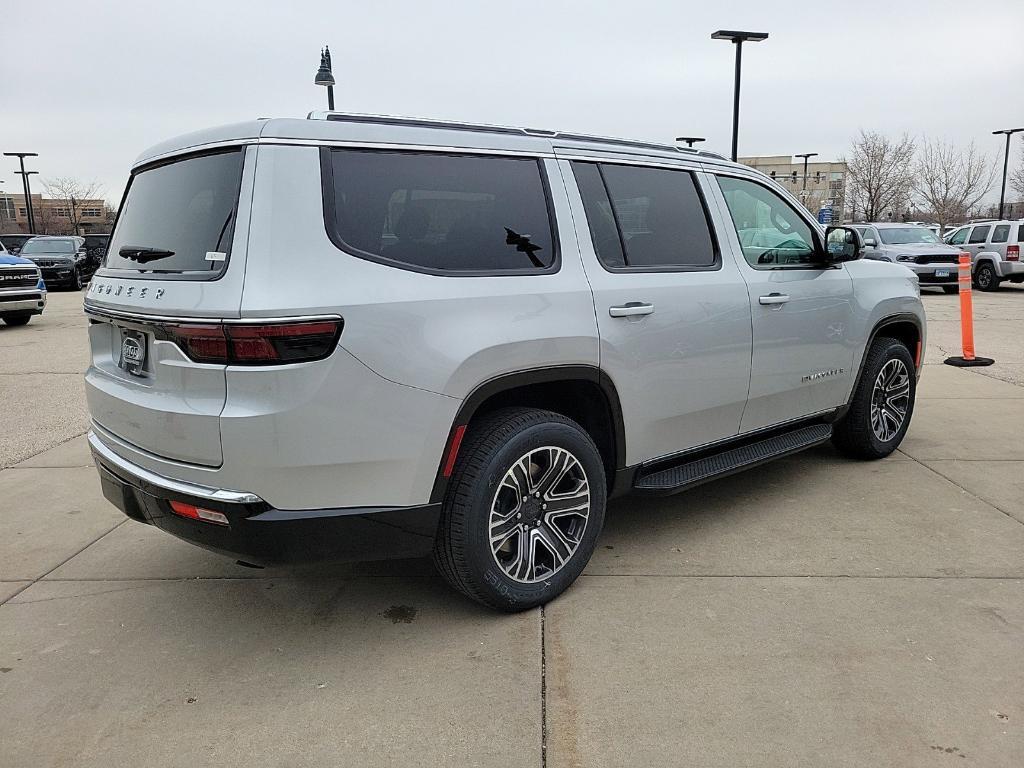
(192, 512)
(264, 344)
(1013, 253)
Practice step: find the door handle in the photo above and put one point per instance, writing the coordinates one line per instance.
(774, 298)
(631, 309)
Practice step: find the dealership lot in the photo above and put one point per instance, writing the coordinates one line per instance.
(814, 611)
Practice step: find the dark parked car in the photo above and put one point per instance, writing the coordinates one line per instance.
(96, 248)
(63, 260)
(14, 241)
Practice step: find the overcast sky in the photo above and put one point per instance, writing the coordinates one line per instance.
(90, 85)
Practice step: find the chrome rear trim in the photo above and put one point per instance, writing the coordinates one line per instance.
(107, 315)
(176, 486)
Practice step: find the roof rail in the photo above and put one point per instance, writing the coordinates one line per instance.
(421, 122)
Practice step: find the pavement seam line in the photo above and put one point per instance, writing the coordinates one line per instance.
(62, 562)
(52, 447)
(543, 694)
(972, 494)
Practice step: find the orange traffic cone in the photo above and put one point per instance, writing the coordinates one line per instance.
(966, 319)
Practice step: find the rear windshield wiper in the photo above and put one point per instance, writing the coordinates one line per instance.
(143, 254)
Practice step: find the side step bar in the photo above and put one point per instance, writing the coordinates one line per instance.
(696, 471)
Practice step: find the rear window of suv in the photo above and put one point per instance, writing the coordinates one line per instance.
(177, 218)
(439, 213)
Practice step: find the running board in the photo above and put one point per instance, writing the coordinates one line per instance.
(696, 471)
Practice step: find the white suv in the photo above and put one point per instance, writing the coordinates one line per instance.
(358, 337)
(995, 251)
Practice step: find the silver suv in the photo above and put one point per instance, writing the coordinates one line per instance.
(995, 251)
(352, 337)
(916, 247)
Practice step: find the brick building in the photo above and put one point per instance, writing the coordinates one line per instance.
(826, 181)
(53, 217)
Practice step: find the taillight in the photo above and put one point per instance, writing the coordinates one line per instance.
(263, 344)
(1013, 253)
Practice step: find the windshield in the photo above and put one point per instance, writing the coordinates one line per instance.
(907, 235)
(38, 245)
(179, 217)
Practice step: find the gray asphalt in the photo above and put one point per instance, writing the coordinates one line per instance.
(811, 612)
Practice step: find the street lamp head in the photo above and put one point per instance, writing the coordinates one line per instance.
(1007, 131)
(690, 140)
(323, 75)
(806, 155)
(21, 154)
(737, 36)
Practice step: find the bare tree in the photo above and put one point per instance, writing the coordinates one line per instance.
(880, 174)
(1017, 176)
(72, 193)
(951, 181)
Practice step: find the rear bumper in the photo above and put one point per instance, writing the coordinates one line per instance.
(1010, 269)
(256, 532)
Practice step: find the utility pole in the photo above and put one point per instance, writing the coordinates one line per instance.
(25, 184)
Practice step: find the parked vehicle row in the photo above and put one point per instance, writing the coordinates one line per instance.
(415, 363)
(22, 290)
(65, 261)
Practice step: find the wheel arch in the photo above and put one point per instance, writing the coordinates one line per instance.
(905, 327)
(582, 393)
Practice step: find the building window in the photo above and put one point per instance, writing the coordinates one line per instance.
(23, 211)
(91, 212)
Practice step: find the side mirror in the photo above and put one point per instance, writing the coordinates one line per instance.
(843, 244)
(869, 242)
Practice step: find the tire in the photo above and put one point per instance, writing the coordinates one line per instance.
(985, 277)
(17, 319)
(951, 289)
(856, 435)
(486, 494)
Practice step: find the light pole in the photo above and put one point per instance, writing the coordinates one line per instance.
(806, 156)
(737, 38)
(690, 140)
(1008, 132)
(28, 187)
(324, 76)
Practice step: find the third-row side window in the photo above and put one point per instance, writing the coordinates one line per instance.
(646, 218)
(444, 213)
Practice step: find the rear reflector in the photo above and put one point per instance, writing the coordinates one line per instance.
(264, 344)
(198, 513)
(1013, 253)
(453, 450)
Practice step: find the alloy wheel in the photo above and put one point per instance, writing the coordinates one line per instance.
(539, 514)
(890, 400)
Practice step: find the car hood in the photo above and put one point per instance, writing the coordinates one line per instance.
(8, 259)
(50, 256)
(924, 248)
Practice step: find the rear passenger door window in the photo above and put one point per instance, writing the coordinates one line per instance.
(646, 219)
(772, 234)
(978, 235)
(439, 213)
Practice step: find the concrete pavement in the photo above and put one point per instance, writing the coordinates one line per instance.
(811, 612)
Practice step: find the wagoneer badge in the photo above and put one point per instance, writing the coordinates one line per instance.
(133, 354)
